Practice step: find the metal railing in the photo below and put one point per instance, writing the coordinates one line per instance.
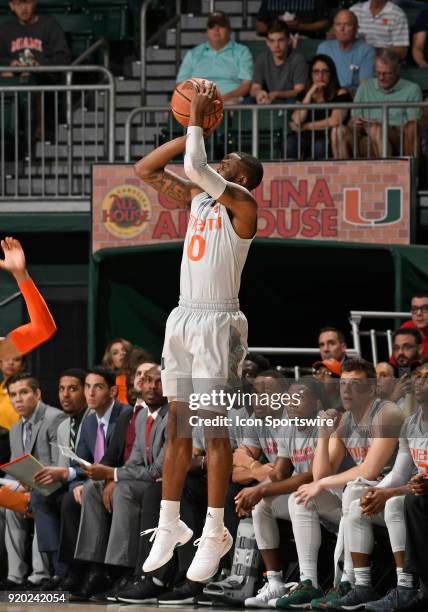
(296, 369)
(46, 144)
(356, 317)
(266, 129)
(175, 21)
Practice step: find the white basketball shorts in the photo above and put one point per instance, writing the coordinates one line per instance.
(204, 348)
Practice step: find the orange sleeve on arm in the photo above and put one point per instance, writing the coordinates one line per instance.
(41, 326)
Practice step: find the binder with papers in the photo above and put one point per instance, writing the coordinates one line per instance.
(23, 469)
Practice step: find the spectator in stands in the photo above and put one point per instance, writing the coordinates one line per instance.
(407, 348)
(397, 390)
(353, 57)
(420, 40)
(313, 502)
(115, 492)
(328, 372)
(29, 39)
(300, 16)
(142, 366)
(383, 25)
(402, 122)
(115, 357)
(8, 368)
(35, 433)
(268, 500)
(47, 510)
(419, 310)
(332, 344)
(134, 358)
(308, 139)
(280, 73)
(220, 59)
(385, 375)
(8, 415)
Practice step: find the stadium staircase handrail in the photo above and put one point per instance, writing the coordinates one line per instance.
(69, 87)
(144, 43)
(107, 86)
(109, 129)
(101, 43)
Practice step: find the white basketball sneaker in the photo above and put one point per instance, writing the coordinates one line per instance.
(166, 538)
(211, 548)
(266, 593)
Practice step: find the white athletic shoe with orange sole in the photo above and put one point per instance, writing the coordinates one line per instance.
(211, 548)
(166, 538)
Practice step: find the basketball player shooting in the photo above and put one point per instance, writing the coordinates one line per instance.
(206, 335)
(41, 327)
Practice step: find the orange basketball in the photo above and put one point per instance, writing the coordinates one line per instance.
(182, 98)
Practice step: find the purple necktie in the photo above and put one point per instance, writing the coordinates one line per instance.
(99, 444)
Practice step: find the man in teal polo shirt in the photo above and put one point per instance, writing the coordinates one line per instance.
(220, 59)
(386, 87)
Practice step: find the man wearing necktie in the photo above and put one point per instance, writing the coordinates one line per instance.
(47, 510)
(35, 433)
(122, 491)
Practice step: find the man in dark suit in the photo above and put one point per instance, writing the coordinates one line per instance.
(47, 510)
(104, 536)
(95, 436)
(35, 433)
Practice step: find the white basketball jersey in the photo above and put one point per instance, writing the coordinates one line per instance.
(213, 255)
(414, 439)
(359, 437)
(298, 446)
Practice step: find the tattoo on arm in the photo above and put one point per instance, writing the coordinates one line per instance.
(172, 186)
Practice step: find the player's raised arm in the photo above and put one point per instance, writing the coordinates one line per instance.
(151, 170)
(235, 177)
(27, 337)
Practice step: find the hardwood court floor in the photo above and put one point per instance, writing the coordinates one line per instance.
(92, 607)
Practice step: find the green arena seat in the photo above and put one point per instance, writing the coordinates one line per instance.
(255, 46)
(308, 47)
(417, 75)
(79, 28)
(111, 18)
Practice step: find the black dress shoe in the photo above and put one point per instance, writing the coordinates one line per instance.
(71, 583)
(418, 603)
(9, 585)
(96, 582)
(52, 584)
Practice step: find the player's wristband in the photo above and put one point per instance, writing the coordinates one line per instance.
(41, 326)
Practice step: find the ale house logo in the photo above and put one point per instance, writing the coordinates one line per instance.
(126, 210)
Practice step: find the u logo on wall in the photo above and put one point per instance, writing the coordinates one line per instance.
(352, 207)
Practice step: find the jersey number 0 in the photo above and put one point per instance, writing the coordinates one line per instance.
(196, 247)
